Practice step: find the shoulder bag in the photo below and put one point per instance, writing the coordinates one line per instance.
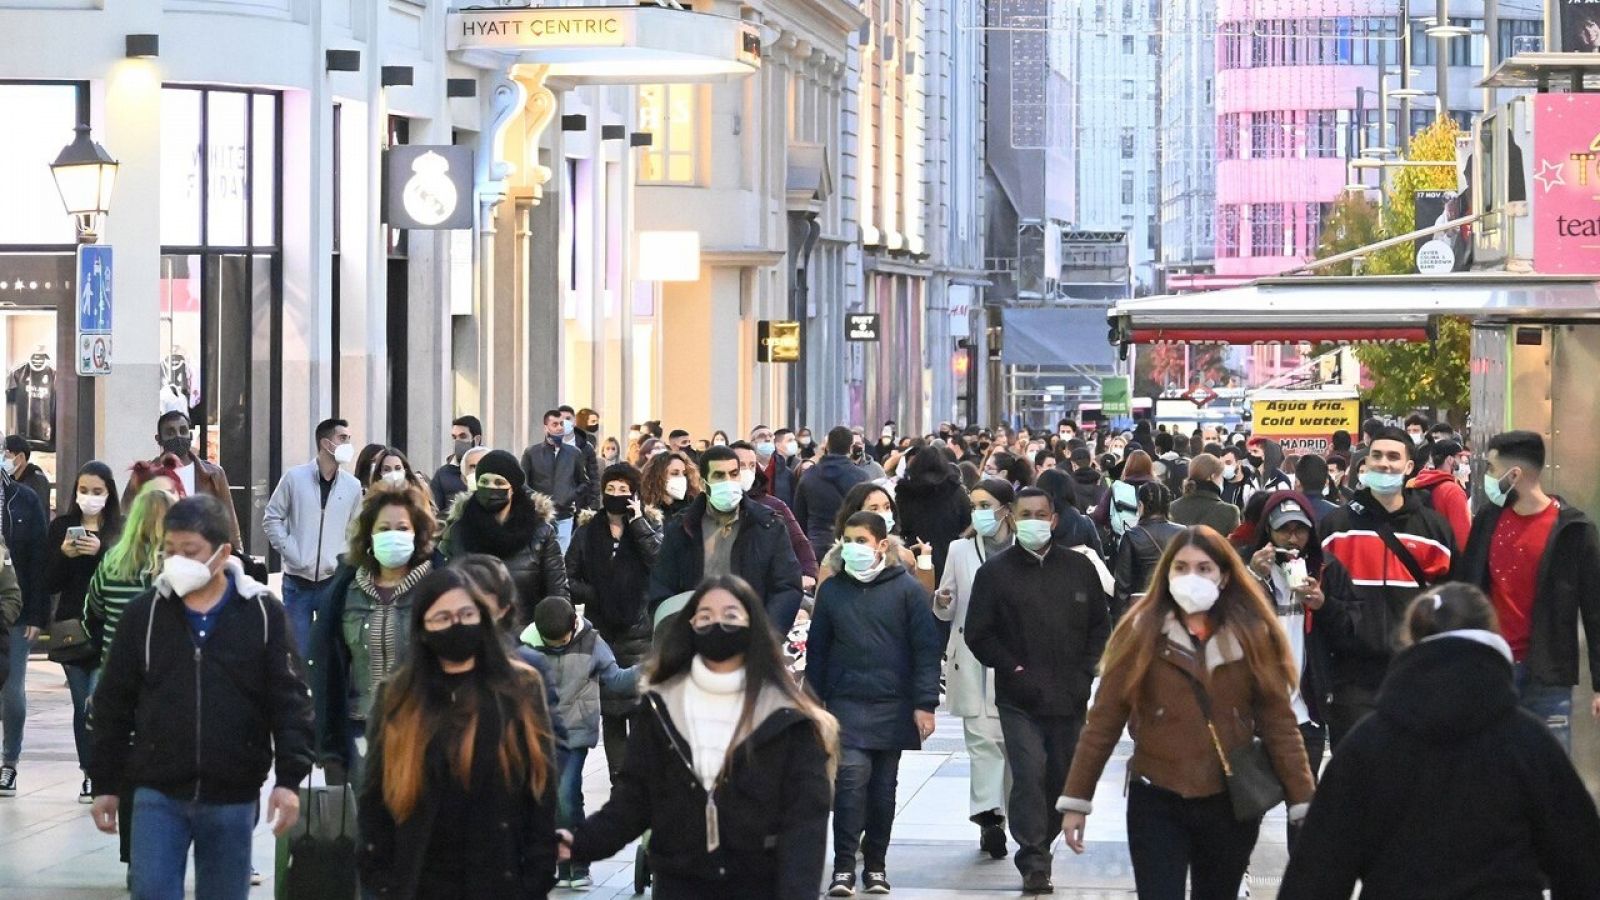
(1253, 785)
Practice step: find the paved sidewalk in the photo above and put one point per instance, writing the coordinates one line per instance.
(49, 849)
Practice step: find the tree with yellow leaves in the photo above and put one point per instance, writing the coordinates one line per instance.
(1407, 376)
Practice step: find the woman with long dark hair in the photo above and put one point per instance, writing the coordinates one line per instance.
(869, 496)
(76, 542)
(459, 799)
(502, 518)
(730, 763)
(1202, 669)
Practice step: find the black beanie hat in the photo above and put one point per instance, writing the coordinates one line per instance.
(499, 462)
(555, 618)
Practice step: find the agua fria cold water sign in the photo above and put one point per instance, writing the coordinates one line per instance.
(1566, 184)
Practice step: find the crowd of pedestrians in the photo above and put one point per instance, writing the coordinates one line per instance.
(756, 628)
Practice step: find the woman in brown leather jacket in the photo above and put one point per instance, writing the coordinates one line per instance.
(1204, 622)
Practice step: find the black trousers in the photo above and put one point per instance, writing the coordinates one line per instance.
(614, 735)
(1350, 705)
(1171, 839)
(1316, 740)
(1039, 749)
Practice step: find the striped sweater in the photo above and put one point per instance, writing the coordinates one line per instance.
(106, 601)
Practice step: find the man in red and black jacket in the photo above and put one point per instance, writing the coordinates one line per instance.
(1538, 559)
(1367, 583)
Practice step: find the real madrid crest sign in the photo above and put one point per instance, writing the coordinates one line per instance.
(428, 186)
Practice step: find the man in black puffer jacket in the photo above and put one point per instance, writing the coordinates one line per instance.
(202, 695)
(747, 540)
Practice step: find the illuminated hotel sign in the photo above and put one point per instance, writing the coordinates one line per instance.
(515, 29)
(614, 44)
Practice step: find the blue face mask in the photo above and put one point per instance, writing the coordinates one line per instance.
(725, 495)
(1033, 534)
(765, 449)
(1383, 484)
(985, 522)
(858, 558)
(1495, 490)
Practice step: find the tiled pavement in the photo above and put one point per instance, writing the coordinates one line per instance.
(49, 849)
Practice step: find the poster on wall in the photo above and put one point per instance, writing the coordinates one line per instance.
(1304, 422)
(1566, 215)
(1576, 25)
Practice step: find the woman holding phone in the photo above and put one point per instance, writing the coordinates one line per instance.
(76, 541)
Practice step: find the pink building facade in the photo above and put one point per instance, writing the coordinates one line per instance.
(1287, 120)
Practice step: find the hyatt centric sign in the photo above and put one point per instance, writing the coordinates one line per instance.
(541, 27)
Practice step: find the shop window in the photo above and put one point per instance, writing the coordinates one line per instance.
(220, 279)
(668, 112)
(30, 207)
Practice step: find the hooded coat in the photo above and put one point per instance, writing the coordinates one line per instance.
(1315, 680)
(934, 511)
(580, 670)
(611, 581)
(1448, 499)
(1450, 790)
(1269, 476)
(525, 542)
(872, 656)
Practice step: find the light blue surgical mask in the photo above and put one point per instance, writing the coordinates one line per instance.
(985, 522)
(1495, 490)
(765, 449)
(1033, 534)
(1383, 484)
(858, 558)
(724, 496)
(393, 549)
(888, 519)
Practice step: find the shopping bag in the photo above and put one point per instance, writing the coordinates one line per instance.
(317, 858)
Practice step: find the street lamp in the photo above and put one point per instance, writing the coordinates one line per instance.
(85, 174)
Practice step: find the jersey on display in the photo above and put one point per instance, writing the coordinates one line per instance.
(31, 394)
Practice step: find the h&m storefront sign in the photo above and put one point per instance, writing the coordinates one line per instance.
(428, 186)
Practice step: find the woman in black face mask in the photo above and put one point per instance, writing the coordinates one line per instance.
(502, 518)
(459, 799)
(729, 763)
(608, 570)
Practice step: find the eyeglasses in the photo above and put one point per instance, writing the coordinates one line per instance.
(702, 622)
(439, 621)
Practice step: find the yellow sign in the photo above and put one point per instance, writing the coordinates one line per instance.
(1305, 426)
(498, 29)
(778, 341)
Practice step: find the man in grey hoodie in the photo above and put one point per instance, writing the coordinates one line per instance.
(306, 522)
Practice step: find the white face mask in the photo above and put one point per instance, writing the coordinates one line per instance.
(747, 479)
(1193, 593)
(397, 477)
(185, 576)
(344, 453)
(91, 504)
(678, 487)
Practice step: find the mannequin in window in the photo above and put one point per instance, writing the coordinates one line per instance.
(176, 372)
(31, 395)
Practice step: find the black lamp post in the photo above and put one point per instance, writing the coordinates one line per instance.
(85, 174)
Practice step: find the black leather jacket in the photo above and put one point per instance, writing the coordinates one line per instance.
(1137, 554)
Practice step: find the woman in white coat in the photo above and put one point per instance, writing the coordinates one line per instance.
(969, 686)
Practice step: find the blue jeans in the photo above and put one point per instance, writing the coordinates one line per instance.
(80, 682)
(569, 786)
(303, 599)
(863, 807)
(1550, 702)
(564, 534)
(164, 829)
(14, 697)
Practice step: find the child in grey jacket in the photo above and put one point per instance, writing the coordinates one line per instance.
(581, 665)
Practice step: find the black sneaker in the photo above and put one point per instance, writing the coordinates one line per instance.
(1038, 883)
(876, 882)
(8, 781)
(993, 841)
(86, 791)
(844, 885)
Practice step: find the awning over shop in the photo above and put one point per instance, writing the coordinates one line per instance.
(614, 44)
(1349, 309)
(1056, 338)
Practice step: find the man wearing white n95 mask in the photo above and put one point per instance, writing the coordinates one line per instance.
(306, 522)
(202, 696)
